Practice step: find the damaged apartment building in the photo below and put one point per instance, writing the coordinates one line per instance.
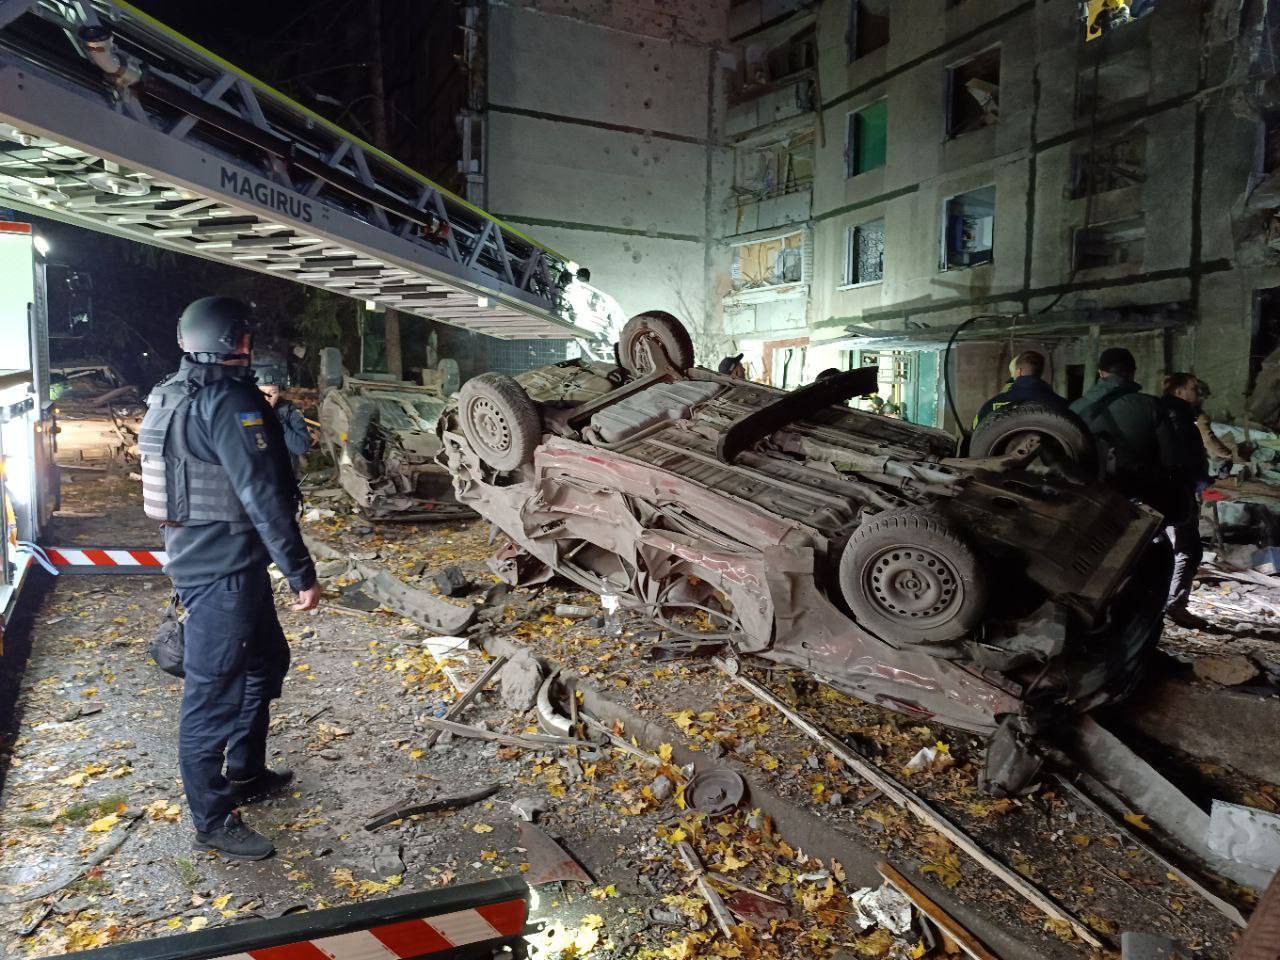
(848, 182)
(1076, 175)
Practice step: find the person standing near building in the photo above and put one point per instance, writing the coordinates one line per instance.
(216, 474)
(1118, 413)
(297, 438)
(1027, 386)
(1185, 460)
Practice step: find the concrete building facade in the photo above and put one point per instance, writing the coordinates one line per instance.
(844, 182)
(602, 128)
(987, 157)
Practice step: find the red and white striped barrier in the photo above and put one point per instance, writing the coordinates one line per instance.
(450, 923)
(406, 939)
(93, 560)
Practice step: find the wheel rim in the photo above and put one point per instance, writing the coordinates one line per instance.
(490, 426)
(913, 585)
(1022, 443)
(643, 349)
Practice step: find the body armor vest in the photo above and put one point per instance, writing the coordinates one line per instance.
(177, 486)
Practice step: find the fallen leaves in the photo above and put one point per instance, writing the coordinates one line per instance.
(103, 824)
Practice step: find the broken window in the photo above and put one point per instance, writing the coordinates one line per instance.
(765, 64)
(1271, 143)
(864, 253)
(969, 229)
(1110, 244)
(1117, 83)
(868, 27)
(1265, 338)
(973, 93)
(866, 139)
(1103, 16)
(774, 170)
(767, 263)
(1113, 165)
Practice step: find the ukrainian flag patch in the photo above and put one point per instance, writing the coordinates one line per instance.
(250, 419)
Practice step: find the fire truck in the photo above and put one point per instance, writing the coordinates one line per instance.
(112, 121)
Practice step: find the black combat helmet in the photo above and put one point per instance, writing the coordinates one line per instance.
(210, 329)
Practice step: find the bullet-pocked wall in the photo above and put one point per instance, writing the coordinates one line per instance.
(602, 131)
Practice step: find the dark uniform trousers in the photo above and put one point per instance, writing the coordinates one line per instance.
(236, 658)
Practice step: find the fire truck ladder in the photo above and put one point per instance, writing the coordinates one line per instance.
(112, 121)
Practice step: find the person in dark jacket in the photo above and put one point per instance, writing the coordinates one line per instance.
(1186, 463)
(1027, 385)
(297, 438)
(216, 474)
(1124, 418)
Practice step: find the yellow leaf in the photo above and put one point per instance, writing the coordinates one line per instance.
(1059, 928)
(197, 923)
(732, 861)
(676, 835)
(416, 754)
(769, 762)
(220, 903)
(173, 923)
(104, 824)
(77, 779)
(724, 829)
(683, 719)
(947, 870)
(482, 828)
(1138, 820)
(664, 752)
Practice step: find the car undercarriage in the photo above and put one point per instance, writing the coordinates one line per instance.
(988, 594)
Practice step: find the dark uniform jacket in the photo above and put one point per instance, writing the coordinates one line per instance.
(1019, 390)
(1181, 446)
(229, 422)
(296, 437)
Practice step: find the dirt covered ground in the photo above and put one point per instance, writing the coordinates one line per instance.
(91, 767)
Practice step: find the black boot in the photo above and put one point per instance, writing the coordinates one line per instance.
(266, 784)
(233, 839)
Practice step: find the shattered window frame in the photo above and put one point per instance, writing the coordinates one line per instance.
(769, 268)
(1102, 245)
(857, 237)
(965, 112)
(861, 30)
(860, 144)
(954, 210)
(1101, 168)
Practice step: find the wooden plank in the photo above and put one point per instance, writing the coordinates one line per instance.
(464, 701)
(918, 807)
(961, 937)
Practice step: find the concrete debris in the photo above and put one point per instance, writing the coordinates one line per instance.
(317, 513)
(1149, 946)
(1228, 671)
(520, 681)
(1266, 561)
(1245, 835)
(451, 582)
(661, 788)
(574, 611)
(332, 568)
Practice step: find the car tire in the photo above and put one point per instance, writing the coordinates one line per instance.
(656, 329)
(499, 420)
(1064, 439)
(909, 578)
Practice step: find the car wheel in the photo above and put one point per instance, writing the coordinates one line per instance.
(1060, 437)
(499, 420)
(908, 577)
(647, 333)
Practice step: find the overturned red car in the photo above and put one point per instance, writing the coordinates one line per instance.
(991, 594)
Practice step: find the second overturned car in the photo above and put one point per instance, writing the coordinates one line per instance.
(986, 594)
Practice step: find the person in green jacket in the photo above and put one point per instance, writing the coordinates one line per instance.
(1125, 419)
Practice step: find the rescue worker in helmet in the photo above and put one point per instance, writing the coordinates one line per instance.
(272, 379)
(216, 474)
